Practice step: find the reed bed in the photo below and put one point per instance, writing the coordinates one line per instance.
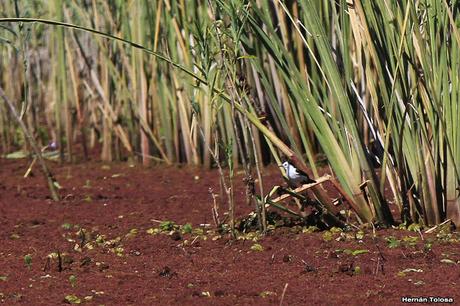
(369, 87)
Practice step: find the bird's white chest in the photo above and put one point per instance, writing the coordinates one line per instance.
(292, 173)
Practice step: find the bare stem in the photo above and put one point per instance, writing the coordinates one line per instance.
(48, 176)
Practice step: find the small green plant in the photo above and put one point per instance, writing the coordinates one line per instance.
(67, 226)
(355, 252)
(310, 229)
(167, 226)
(428, 246)
(118, 251)
(410, 240)
(132, 233)
(152, 231)
(392, 242)
(73, 280)
(359, 235)
(187, 228)
(72, 299)
(414, 227)
(327, 236)
(267, 293)
(257, 247)
(336, 230)
(28, 261)
(87, 184)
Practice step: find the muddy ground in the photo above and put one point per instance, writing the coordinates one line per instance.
(128, 235)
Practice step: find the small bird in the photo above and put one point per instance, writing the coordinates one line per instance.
(295, 175)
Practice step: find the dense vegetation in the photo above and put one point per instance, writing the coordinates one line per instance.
(363, 85)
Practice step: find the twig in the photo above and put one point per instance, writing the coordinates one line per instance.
(59, 261)
(282, 295)
(29, 170)
(215, 157)
(380, 260)
(215, 209)
(296, 194)
(430, 230)
(268, 203)
(304, 187)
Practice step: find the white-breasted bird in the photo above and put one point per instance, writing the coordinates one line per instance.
(295, 175)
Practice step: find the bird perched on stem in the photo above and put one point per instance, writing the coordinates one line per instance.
(296, 176)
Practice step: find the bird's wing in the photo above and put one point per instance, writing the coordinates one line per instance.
(301, 172)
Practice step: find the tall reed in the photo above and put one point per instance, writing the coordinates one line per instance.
(369, 85)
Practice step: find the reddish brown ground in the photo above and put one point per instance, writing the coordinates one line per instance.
(182, 269)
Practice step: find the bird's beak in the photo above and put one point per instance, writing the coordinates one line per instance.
(281, 166)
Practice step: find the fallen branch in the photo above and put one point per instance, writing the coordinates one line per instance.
(304, 187)
(296, 194)
(430, 230)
